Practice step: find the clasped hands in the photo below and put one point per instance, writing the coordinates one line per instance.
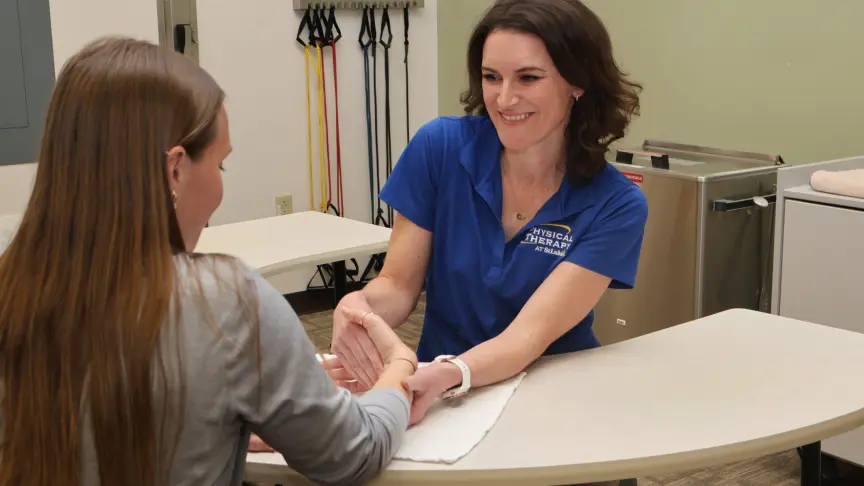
(364, 343)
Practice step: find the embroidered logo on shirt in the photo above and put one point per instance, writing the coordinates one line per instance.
(552, 239)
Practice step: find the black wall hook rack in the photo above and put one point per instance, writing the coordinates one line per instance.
(356, 5)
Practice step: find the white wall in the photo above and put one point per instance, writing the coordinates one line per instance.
(249, 48)
(251, 51)
(15, 184)
(74, 23)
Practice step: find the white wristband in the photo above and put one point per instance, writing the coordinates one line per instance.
(466, 376)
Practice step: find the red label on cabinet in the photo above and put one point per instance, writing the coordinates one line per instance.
(637, 178)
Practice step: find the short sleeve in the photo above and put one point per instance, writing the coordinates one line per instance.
(613, 243)
(412, 187)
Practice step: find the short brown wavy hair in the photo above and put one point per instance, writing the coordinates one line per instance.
(579, 45)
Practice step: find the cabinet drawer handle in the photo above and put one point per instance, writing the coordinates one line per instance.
(726, 205)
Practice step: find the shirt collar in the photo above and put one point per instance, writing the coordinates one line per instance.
(481, 158)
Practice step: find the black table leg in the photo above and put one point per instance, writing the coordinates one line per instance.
(622, 482)
(811, 464)
(340, 282)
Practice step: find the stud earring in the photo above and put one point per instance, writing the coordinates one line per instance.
(576, 96)
(174, 198)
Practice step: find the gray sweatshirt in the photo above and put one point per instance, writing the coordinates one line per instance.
(323, 431)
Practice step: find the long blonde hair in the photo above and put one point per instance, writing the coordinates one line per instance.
(88, 280)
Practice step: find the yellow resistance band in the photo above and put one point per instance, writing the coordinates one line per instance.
(322, 149)
(322, 159)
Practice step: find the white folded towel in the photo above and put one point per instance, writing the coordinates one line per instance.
(452, 428)
(843, 182)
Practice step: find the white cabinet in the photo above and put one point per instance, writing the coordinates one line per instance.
(822, 277)
(823, 265)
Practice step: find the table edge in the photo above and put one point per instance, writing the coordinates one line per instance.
(601, 471)
(275, 269)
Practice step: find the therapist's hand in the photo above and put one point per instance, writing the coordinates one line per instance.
(352, 344)
(428, 383)
(388, 345)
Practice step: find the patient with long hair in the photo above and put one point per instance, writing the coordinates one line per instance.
(127, 358)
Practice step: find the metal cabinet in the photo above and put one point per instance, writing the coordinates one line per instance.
(707, 241)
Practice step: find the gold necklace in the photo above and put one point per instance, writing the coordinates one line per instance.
(519, 214)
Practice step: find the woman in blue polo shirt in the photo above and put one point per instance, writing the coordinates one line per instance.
(510, 215)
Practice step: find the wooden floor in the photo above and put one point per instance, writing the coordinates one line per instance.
(776, 470)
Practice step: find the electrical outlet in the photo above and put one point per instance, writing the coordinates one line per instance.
(284, 204)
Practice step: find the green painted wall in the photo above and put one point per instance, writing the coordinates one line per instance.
(771, 76)
(456, 19)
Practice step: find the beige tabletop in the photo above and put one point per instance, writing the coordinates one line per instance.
(732, 386)
(8, 226)
(280, 243)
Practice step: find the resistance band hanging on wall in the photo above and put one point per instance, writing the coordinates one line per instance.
(325, 171)
(388, 140)
(366, 40)
(315, 27)
(312, 21)
(307, 59)
(323, 149)
(379, 213)
(321, 35)
(405, 17)
(377, 261)
(386, 40)
(328, 40)
(331, 25)
(324, 32)
(369, 41)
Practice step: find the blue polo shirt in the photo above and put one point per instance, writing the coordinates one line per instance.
(448, 181)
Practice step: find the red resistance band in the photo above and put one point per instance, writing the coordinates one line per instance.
(329, 40)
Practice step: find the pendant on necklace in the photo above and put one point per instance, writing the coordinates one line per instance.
(520, 216)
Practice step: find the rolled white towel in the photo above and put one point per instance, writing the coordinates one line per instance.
(844, 182)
